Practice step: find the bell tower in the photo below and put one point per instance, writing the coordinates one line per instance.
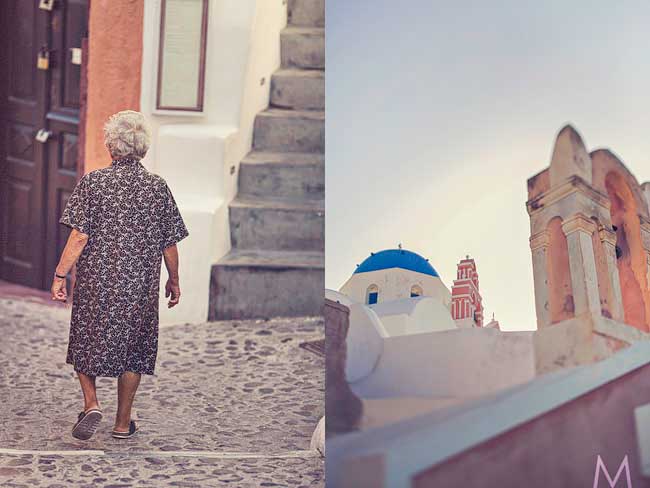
(466, 301)
(590, 242)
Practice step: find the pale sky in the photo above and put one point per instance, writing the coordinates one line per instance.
(438, 112)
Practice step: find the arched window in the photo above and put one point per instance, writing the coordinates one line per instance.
(372, 294)
(416, 291)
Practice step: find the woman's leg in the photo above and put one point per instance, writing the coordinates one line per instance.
(89, 390)
(127, 385)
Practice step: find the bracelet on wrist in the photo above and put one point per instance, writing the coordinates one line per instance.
(59, 276)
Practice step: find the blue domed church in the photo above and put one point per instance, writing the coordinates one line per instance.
(395, 274)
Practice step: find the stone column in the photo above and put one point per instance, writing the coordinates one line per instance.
(539, 249)
(584, 278)
(615, 298)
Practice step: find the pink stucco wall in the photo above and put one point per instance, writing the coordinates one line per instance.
(114, 64)
(559, 449)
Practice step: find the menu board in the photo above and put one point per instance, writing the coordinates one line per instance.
(181, 64)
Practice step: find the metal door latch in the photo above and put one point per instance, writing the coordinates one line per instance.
(43, 135)
(75, 55)
(46, 4)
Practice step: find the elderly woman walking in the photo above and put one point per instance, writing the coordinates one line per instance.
(124, 220)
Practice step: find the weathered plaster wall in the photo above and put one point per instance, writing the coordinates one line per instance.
(632, 262)
(114, 62)
(569, 157)
(344, 409)
(563, 345)
(539, 184)
(460, 363)
(606, 162)
(560, 294)
(559, 448)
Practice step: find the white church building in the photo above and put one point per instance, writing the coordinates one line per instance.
(414, 344)
(404, 290)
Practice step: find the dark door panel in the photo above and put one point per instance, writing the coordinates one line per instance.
(62, 178)
(22, 176)
(37, 178)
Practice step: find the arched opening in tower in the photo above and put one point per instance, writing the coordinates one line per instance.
(560, 292)
(631, 260)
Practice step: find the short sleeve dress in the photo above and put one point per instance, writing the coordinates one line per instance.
(130, 216)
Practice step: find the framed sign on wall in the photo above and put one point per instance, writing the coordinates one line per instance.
(181, 55)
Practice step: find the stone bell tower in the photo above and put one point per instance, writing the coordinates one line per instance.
(590, 243)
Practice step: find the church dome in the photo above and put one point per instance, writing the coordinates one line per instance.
(396, 258)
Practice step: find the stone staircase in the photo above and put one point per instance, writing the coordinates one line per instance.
(277, 220)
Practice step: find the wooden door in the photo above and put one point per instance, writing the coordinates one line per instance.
(36, 178)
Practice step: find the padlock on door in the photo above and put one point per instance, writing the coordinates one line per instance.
(43, 60)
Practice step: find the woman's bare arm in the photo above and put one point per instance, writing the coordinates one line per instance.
(73, 249)
(172, 288)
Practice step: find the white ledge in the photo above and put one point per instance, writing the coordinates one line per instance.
(414, 445)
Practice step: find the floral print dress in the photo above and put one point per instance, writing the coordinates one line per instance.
(130, 217)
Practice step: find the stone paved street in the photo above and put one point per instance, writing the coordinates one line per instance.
(232, 403)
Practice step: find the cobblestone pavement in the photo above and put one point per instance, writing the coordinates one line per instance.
(231, 404)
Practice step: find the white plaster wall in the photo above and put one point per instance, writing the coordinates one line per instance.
(467, 323)
(395, 284)
(337, 296)
(414, 316)
(460, 363)
(199, 154)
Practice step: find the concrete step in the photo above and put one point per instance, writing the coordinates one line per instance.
(307, 12)
(283, 284)
(277, 225)
(303, 47)
(282, 175)
(279, 130)
(298, 88)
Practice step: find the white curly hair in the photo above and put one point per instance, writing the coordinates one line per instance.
(126, 133)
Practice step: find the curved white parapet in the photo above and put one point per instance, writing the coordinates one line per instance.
(365, 337)
(365, 342)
